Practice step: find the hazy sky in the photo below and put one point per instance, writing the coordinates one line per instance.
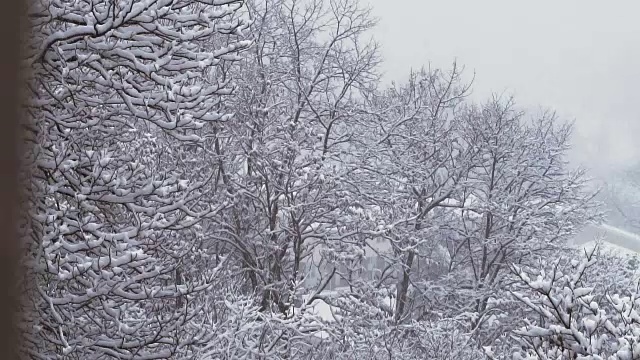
(581, 58)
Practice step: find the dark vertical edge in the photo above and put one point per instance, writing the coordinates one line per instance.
(12, 29)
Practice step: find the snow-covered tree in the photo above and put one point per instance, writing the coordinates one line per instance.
(118, 90)
(281, 163)
(570, 320)
(522, 202)
(411, 165)
(405, 165)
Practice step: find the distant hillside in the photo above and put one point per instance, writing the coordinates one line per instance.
(615, 238)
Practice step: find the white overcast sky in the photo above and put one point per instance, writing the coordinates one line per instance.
(581, 58)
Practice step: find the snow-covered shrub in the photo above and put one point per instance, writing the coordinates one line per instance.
(569, 320)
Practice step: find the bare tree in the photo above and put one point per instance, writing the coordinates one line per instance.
(522, 202)
(414, 165)
(282, 161)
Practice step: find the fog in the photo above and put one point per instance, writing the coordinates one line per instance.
(579, 58)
